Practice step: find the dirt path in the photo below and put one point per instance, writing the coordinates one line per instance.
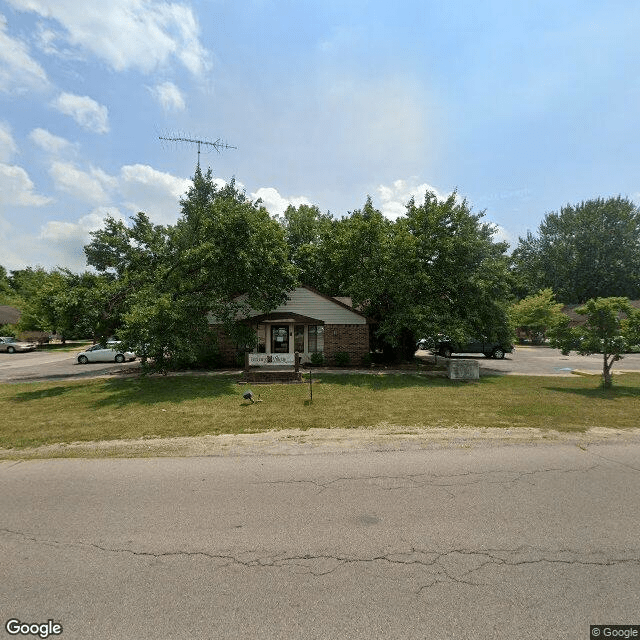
(313, 441)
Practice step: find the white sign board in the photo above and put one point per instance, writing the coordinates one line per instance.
(266, 359)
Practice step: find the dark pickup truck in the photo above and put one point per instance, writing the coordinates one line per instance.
(445, 347)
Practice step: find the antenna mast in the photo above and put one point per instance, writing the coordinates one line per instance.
(217, 144)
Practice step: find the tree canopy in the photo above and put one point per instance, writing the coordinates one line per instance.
(584, 251)
(224, 254)
(435, 270)
(611, 328)
(536, 314)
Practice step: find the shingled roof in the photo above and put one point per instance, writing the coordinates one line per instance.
(9, 315)
(576, 319)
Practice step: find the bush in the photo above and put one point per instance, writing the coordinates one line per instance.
(8, 330)
(367, 360)
(317, 359)
(341, 358)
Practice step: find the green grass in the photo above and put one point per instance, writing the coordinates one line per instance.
(64, 412)
(68, 346)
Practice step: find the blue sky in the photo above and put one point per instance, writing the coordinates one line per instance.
(520, 106)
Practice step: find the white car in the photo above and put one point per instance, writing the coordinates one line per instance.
(109, 353)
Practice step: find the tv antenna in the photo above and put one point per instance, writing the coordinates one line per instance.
(216, 144)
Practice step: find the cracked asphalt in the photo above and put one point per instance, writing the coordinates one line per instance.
(506, 541)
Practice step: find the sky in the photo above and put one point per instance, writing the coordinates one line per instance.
(521, 107)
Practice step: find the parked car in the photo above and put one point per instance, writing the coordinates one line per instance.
(11, 345)
(491, 349)
(110, 352)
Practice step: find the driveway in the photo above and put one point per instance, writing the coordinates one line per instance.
(45, 365)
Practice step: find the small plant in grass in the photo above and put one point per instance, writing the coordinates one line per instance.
(317, 359)
(341, 358)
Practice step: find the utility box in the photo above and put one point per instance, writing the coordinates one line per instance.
(463, 370)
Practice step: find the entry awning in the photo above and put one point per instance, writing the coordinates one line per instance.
(283, 318)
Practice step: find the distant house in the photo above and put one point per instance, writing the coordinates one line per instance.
(575, 319)
(308, 322)
(9, 315)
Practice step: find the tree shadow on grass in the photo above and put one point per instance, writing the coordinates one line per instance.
(150, 391)
(599, 393)
(38, 394)
(382, 381)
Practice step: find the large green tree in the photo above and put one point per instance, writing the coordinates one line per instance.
(224, 255)
(611, 328)
(435, 270)
(306, 230)
(584, 251)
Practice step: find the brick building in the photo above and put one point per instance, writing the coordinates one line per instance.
(309, 322)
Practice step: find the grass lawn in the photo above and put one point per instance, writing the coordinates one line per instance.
(70, 345)
(64, 412)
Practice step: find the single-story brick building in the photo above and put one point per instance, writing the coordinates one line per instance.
(308, 322)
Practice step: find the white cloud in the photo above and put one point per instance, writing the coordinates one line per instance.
(84, 110)
(169, 96)
(274, 202)
(48, 141)
(126, 34)
(78, 232)
(18, 70)
(17, 188)
(395, 197)
(502, 235)
(62, 243)
(154, 192)
(8, 146)
(87, 186)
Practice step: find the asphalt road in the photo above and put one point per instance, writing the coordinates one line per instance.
(51, 365)
(490, 542)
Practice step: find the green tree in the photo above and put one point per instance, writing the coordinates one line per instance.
(6, 293)
(224, 255)
(435, 270)
(306, 228)
(584, 251)
(536, 314)
(462, 282)
(611, 328)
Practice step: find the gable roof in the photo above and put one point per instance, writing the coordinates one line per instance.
(340, 300)
(577, 319)
(9, 315)
(306, 305)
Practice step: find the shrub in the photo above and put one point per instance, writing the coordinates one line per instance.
(317, 359)
(341, 358)
(367, 360)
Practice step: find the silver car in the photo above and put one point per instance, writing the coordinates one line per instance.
(109, 353)
(11, 345)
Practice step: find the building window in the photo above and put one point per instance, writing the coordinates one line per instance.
(262, 338)
(316, 338)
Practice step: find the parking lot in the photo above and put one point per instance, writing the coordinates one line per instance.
(544, 361)
(43, 365)
(525, 360)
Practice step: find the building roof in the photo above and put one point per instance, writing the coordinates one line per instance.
(577, 319)
(9, 315)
